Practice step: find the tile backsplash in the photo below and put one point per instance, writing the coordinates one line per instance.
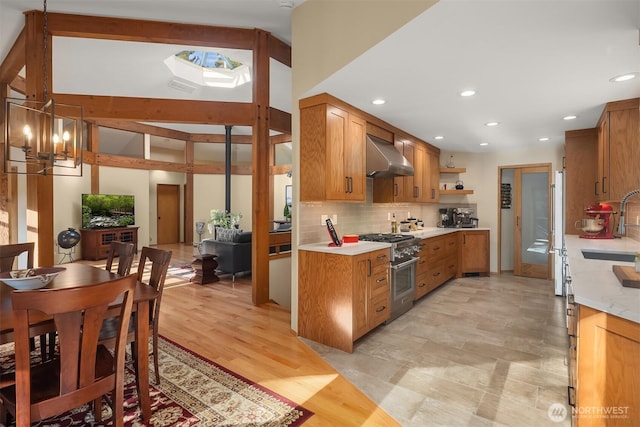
(361, 217)
(632, 216)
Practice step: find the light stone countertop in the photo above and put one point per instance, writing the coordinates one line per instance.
(363, 247)
(346, 248)
(594, 283)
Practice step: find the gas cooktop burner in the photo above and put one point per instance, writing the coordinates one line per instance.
(385, 237)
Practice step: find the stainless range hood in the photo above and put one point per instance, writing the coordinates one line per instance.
(383, 160)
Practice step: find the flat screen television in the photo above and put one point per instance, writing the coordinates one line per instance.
(107, 210)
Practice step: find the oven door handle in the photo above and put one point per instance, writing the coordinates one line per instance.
(404, 264)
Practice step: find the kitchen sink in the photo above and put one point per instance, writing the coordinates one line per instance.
(609, 255)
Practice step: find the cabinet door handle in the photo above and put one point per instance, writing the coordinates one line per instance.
(395, 189)
(571, 396)
(604, 191)
(382, 279)
(595, 188)
(346, 184)
(381, 309)
(436, 274)
(381, 256)
(422, 285)
(433, 193)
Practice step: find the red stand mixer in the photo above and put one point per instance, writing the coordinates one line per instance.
(599, 224)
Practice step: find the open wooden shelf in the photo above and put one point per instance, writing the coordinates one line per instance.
(453, 170)
(455, 192)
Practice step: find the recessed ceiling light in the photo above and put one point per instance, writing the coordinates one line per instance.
(484, 144)
(492, 124)
(571, 117)
(544, 138)
(623, 77)
(439, 137)
(468, 93)
(378, 101)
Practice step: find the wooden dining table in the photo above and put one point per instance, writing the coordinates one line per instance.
(75, 275)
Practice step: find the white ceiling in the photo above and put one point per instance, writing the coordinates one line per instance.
(530, 61)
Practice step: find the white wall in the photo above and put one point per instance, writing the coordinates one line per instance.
(170, 178)
(209, 193)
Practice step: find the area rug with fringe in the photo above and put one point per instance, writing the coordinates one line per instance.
(193, 391)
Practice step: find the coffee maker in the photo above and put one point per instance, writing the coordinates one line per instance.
(447, 218)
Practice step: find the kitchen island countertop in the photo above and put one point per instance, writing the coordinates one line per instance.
(594, 283)
(346, 248)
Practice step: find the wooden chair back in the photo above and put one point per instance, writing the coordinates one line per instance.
(159, 260)
(125, 252)
(82, 371)
(9, 253)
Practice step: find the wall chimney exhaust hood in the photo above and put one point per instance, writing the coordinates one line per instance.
(383, 160)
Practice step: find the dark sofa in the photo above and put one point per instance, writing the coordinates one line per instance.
(232, 257)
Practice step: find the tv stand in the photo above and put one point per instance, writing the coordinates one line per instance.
(96, 241)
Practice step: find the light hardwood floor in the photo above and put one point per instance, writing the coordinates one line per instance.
(219, 322)
(477, 351)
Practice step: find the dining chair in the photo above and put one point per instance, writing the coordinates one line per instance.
(159, 260)
(82, 371)
(8, 257)
(9, 253)
(153, 276)
(125, 252)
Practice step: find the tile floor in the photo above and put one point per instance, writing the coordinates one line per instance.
(478, 351)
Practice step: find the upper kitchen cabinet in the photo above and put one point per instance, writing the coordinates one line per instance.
(581, 187)
(618, 150)
(332, 151)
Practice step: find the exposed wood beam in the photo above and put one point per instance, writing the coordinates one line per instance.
(261, 179)
(15, 60)
(109, 28)
(219, 138)
(159, 110)
(279, 120)
(279, 50)
(132, 126)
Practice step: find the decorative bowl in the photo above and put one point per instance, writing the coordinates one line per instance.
(34, 278)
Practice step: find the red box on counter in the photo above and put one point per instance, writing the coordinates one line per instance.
(350, 238)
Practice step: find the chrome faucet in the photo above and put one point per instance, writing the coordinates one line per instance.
(623, 205)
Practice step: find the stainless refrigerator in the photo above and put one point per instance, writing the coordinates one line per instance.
(558, 248)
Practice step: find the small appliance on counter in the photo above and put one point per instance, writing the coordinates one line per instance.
(457, 218)
(599, 223)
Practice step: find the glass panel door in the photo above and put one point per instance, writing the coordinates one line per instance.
(532, 222)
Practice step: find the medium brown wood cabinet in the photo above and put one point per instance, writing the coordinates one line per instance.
(618, 150)
(607, 381)
(342, 297)
(581, 187)
(438, 263)
(96, 241)
(332, 152)
(473, 249)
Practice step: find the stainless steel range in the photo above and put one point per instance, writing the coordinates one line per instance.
(403, 269)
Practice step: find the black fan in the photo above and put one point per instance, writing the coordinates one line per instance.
(68, 239)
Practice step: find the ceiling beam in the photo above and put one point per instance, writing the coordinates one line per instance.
(15, 60)
(109, 28)
(160, 110)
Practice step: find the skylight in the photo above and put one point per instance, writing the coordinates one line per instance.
(208, 69)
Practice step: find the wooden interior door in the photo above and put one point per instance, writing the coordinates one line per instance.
(168, 208)
(532, 227)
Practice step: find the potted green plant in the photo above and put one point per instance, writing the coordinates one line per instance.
(223, 220)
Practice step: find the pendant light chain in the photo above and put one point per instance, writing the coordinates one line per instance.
(45, 39)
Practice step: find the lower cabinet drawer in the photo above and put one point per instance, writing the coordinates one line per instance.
(379, 309)
(422, 285)
(380, 281)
